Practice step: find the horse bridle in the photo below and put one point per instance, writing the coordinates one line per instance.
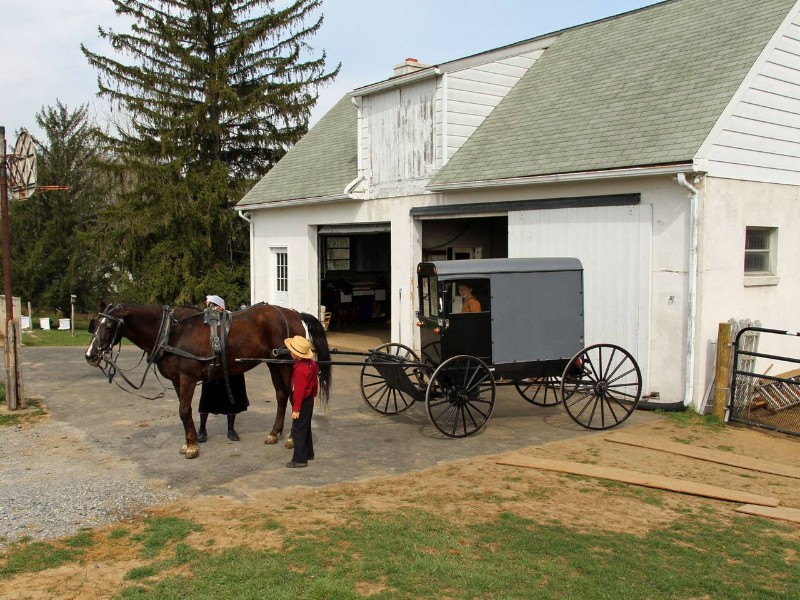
(108, 363)
(117, 337)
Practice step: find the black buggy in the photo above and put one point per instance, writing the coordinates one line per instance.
(528, 333)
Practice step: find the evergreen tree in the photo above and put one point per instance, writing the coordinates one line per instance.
(212, 94)
(49, 259)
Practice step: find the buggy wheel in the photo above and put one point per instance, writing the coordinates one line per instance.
(379, 382)
(541, 391)
(601, 386)
(460, 396)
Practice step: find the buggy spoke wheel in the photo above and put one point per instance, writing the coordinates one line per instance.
(388, 378)
(460, 396)
(542, 391)
(601, 386)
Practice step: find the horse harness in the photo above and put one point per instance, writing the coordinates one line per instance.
(219, 323)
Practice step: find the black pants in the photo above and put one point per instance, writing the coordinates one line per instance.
(301, 433)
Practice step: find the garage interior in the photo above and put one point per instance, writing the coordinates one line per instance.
(355, 263)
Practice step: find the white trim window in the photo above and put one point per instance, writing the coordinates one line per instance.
(761, 256)
(759, 250)
(279, 276)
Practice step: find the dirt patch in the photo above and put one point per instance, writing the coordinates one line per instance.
(462, 487)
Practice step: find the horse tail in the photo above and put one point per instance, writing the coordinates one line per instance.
(320, 340)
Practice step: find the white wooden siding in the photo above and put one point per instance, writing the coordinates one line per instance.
(614, 245)
(469, 95)
(398, 133)
(760, 139)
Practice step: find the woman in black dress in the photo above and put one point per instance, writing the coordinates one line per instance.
(214, 397)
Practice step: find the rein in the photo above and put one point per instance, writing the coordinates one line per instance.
(109, 367)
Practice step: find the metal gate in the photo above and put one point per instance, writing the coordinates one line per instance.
(761, 399)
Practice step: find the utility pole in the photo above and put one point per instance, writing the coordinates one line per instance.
(14, 396)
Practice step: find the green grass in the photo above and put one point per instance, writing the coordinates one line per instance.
(417, 554)
(32, 411)
(421, 555)
(32, 557)
(161, 532)
(689, 418)
(54, 337)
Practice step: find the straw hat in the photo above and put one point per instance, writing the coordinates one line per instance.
(216, 300)
(299, 346)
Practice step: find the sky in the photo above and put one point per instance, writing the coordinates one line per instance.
(42, 61)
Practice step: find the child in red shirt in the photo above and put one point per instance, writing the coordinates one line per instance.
(304, 389)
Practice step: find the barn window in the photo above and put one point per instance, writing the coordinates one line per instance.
(337, 253)
(760, 251)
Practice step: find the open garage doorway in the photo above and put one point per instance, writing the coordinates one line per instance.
(455, 238)
(355, 276)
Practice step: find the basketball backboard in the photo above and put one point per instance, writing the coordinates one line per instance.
(22, 168)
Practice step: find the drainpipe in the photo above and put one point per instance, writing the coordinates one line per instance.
(688, 391)
(245, 216)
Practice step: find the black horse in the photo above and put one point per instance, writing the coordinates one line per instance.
(178, 342)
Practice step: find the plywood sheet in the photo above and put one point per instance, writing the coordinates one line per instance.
(707, 454)
(778, 512)
(636, 478)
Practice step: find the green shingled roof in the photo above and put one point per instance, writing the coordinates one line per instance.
(321, 164)
(644, 88)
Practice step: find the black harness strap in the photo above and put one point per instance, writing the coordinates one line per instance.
(220, 324)
(283, 316)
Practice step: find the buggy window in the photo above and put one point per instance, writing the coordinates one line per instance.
(429, 297)
(469, 296)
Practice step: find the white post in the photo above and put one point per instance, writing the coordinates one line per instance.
(72, 314)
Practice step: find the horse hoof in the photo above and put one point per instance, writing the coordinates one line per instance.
(289, 443)
(192, 452)
(184, 448)
(271, 439)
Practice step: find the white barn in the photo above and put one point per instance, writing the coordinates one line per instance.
(661, 147)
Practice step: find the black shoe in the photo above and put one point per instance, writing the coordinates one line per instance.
(202, 436)
(310, 458)
(233, 436)
(294, 465)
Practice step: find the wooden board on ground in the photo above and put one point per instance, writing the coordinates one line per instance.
(636, 478)
(707, 454)
(778, 512)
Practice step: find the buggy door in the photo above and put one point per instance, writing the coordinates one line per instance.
(468, 333)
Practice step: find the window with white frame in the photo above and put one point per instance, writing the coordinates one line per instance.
(281, 271)
(760, 248)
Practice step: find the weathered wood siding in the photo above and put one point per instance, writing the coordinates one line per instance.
(759, 140)
(397, 133)
(469, 95)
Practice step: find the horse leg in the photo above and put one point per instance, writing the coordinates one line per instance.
(184, 387)
(281, 381)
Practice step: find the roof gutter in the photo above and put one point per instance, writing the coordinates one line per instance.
(562, 177)
(295, 202)
(396, 82)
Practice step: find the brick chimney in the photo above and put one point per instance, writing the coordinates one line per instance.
(409, 65)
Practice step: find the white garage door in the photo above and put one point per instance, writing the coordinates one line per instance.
(614, 245)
